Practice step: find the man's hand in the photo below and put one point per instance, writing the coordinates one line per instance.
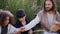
(18, 30)
(21, 29)
(58, 24)
(55, 27)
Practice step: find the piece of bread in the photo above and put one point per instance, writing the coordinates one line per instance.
(54, 27)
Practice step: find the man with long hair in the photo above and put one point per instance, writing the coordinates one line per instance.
(47, 16)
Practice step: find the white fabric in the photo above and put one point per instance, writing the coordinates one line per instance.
(45, 32)
(11, 29)
(0, 29)
(50, 19)
(32, 23)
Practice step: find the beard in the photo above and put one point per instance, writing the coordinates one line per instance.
(48, 9)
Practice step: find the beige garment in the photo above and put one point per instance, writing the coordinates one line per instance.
(44, 19)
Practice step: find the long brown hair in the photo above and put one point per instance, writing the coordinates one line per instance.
(2, 18)
(3, 15)
(53, 7)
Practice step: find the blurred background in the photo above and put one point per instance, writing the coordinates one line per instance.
(31, 7)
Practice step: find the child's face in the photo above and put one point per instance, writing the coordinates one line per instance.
(21, 19)
(6, 20)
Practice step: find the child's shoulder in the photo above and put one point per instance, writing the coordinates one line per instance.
(11, 29)
(11, 26)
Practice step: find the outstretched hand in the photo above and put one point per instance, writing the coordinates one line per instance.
(21, 29)
(18, 30)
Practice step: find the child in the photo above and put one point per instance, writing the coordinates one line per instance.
(5, 24)
(22, 21)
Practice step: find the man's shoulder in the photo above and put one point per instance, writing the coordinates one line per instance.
(40, 12)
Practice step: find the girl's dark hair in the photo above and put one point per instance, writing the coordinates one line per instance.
(20, 13)
(3, 17)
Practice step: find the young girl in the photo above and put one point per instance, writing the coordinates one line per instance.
(5, 24)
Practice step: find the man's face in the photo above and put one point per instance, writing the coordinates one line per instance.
(48, 5)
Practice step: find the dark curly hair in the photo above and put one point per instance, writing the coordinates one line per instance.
(3, 16)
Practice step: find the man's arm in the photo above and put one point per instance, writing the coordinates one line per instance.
(32, 23)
